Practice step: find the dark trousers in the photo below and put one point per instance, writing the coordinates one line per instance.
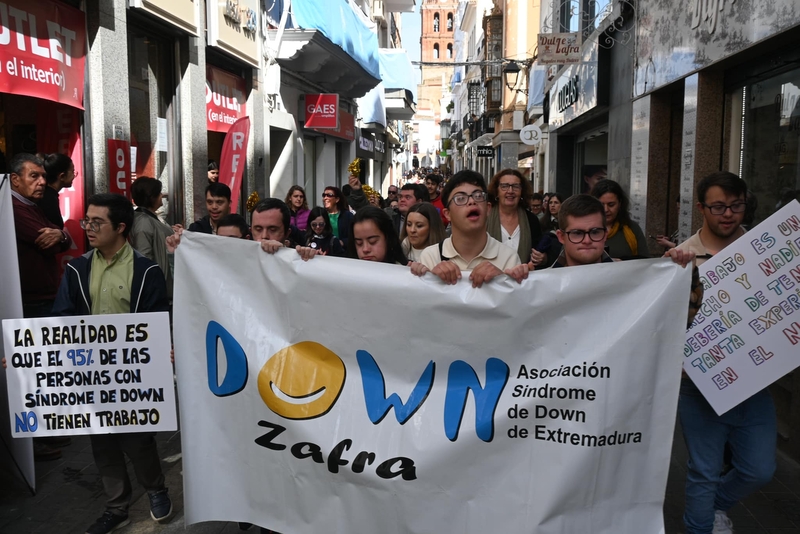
(109, 452)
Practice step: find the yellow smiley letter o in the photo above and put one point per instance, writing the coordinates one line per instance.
(302, 381)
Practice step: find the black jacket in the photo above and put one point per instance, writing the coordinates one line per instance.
(202, 225)
(148, 291)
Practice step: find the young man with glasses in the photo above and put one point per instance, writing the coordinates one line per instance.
(750, 429)
(470, 247)
(114, 278)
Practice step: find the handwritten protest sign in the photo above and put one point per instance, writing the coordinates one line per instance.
(94, 374)
(747, 333)
(544, 407)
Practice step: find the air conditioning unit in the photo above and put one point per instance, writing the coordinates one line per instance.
(378, 13)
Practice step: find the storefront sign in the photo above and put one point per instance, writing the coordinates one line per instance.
(346, 129)
(576, 91)
(559, 48)
(43, 51)
(233, 158)
(91, 374)
(485, 151)
(747, 333)
(380, 144)
(568, 94)
(225, 99)
(366, 144)
(322, 111)
(531, 135)
(669, 47)
(232, 27)
(119, 167)
(183, 14)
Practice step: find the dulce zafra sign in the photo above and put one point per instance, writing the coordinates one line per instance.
(42, 51)
(747, 333)
(94, 374)
(559, 48)
(322, 111)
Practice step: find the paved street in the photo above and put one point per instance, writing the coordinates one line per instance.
(70, 497)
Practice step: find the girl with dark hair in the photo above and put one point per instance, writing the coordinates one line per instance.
(213, 171)
(549, 245)
(298, 205)
(625, 239)
(60, 174)
(320, 234)
(508, 221)
(374, 239)
(338, 213)
(423, 228)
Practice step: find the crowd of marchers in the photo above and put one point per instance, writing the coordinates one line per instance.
(449, 226)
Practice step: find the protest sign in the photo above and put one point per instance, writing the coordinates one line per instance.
(93, 374)
(746, 334)
(310, 405)
(20, 451)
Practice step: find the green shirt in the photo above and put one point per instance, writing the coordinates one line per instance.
(334, 218)
(110, 283)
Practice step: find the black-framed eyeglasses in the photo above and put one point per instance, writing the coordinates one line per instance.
(392, 192)
(513, 187)
(94, 226)
(318, 225)
(720, 209)
(595, 234)
(461, 199)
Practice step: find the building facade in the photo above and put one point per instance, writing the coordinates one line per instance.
(151, 88)
(437, 51)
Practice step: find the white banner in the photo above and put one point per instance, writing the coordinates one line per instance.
(18, 452)
(91, 374)
(346, 396)
(746, 334)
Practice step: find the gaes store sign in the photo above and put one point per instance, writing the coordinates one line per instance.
(322, 111)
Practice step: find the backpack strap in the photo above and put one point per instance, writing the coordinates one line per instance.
(441, 251)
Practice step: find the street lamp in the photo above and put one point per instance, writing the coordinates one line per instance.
(511, 71)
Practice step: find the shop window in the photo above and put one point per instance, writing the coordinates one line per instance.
(765, 141)
(436, 22)
(151, 87)
(569, 16)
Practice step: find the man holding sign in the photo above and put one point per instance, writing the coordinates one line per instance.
(114, 278)
(750, 429)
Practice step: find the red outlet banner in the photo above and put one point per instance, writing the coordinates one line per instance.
(43, 51)
(233, 158)
(322, 111)
(119, 167)
(226, 101)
